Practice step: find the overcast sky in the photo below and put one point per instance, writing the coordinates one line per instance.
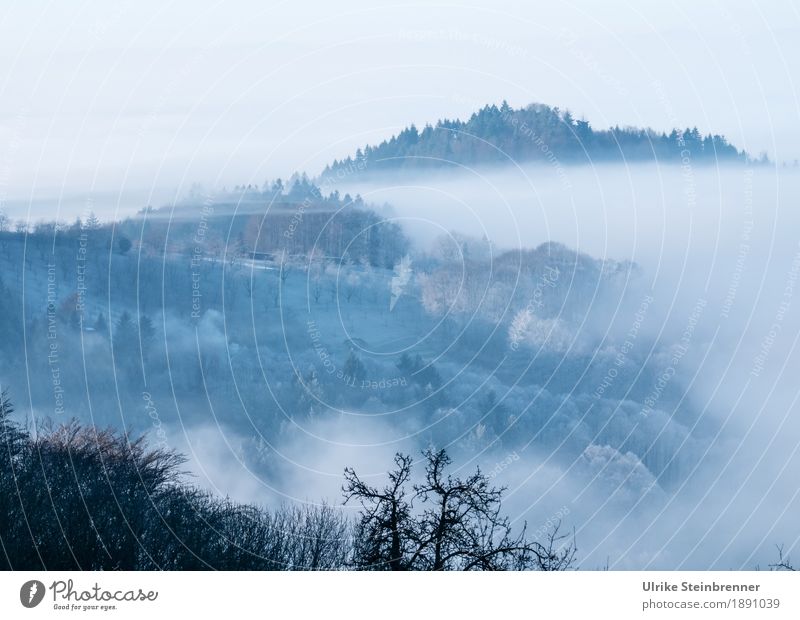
(129, 98)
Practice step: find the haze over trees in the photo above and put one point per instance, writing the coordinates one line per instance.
(196, 329)
(289, 310)
(296, 217)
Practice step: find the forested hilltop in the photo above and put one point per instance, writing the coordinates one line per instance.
(279, 219)
(536, 132)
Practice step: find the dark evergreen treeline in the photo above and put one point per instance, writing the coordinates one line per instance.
(296, 190)
(536, 132)
(79, 498)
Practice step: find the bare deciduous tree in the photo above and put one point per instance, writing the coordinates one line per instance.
(456, 524)
(783, 563)
(382, 536)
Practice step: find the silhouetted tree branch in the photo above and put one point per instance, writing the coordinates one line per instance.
(783, 563)
(458, 524)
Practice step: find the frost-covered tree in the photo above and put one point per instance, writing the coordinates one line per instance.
(92, 222)
(519, 327)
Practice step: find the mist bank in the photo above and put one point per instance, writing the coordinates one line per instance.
(641, 384)
(723, 233)
(643, 212)
(718, 253)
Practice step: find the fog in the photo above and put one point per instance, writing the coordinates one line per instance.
(717, 250)
(647, 401)
(614, 343)
(629, 373)
(727, 236)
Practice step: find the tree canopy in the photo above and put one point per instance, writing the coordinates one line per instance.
(536, 132)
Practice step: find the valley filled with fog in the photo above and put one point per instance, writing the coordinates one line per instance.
(613, 343)
(716, 249)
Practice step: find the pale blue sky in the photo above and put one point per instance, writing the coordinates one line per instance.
(143, 96)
